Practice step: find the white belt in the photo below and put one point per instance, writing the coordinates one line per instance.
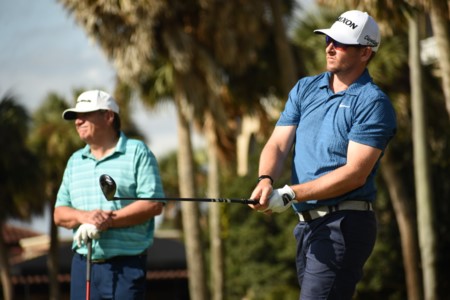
(321, 211)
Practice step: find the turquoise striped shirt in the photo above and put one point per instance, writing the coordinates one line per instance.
(135, 170)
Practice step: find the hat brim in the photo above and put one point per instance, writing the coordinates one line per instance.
(341, 39)
(71, 113)
(335, 36)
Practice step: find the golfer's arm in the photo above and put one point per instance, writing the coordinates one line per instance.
(136, 213)
(360, 161)
(67, 217)
(276, 150)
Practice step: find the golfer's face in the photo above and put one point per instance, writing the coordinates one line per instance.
(90, 125)
(342, 59)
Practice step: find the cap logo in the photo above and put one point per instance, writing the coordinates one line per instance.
(347, 22)
(84, 100)
(371, 41)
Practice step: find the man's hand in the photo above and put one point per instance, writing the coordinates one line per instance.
(85, 232)
(280, 199)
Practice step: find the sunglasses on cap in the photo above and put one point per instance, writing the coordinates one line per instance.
(340, 46)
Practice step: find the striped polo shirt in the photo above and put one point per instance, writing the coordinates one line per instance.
(327, 121)
(135, 170)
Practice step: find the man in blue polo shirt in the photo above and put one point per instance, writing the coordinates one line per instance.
(339, 123)
(121, 231)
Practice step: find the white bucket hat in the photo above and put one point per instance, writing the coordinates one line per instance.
(91, 101)
(354, 27)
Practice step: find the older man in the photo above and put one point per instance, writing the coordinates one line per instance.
(121, 230)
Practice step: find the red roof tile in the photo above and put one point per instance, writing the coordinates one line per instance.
(12, 234)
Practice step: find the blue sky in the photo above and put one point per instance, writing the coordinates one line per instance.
(42, 50)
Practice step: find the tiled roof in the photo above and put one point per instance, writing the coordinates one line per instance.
(13, 234)
(65, 278)
(166, 260)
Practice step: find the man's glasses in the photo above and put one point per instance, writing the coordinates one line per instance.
(340, 46)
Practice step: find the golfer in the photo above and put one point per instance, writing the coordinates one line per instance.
(121, 230)
(339, 123)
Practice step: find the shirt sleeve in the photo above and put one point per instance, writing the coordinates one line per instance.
(291, 113)
(148, 177)
(63, 195)
(375, 123)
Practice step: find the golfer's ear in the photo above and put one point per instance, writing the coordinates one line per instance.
(366, 54)
(109, 116)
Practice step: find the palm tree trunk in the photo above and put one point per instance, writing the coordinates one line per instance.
(217, 264)
(190, 211)
(424, 197)
(53, 261)
(8, 292)
(440, 26)
(286, 60)
(406, 225)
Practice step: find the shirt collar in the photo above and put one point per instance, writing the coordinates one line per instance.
(353, 88)
(361, 81)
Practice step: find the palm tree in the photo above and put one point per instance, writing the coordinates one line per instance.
(21, 189)
(424, 196)
(440, 21)
(53, 140)
(145, 37)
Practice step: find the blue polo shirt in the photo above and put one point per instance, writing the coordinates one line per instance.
(326, 122)
(135, 170)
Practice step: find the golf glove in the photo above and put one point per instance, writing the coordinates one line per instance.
(281, 199)
(85, 232)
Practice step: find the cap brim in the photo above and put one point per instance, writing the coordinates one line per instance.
(71, 113)
(337, 36)
(322, 31)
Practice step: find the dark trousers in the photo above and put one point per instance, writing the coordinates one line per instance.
(331, 252)
(121, 278)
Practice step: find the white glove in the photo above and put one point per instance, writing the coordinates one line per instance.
(85, 232)
(281, 199)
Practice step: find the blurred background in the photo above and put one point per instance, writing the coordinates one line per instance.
(203, 83)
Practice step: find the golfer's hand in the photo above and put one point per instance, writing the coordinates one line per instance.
(261, 193)
(102, 219)
(280, 200)
(85, 232)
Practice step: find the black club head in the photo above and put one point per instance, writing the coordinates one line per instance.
(108, 186)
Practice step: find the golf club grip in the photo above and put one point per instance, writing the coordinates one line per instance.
(219, 200)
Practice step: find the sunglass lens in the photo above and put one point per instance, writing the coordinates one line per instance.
(336, 45)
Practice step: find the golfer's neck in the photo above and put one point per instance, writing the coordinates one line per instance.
(100, 149)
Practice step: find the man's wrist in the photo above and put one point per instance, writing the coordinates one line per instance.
(262, 177)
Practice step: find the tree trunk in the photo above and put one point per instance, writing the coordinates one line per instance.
(424, 197)
(53, 258)
(8, 292)
(286, 61)
(440, 26)
(406, 226)
(217, 264)
(190, 211)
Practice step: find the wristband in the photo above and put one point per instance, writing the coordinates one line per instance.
(264, 177)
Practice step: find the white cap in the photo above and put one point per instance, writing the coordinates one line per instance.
(354, 27)
(91, 101)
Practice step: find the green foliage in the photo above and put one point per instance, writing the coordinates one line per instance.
(53, 139)
(259, 249)
(21, 189)
(383, 272)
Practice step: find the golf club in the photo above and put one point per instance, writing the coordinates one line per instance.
(108, 186)
(88, 269)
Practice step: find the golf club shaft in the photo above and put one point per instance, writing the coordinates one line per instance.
(222, 200)
(88, 269)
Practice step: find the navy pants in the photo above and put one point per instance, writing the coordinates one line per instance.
(122, 278)
(331, 252)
